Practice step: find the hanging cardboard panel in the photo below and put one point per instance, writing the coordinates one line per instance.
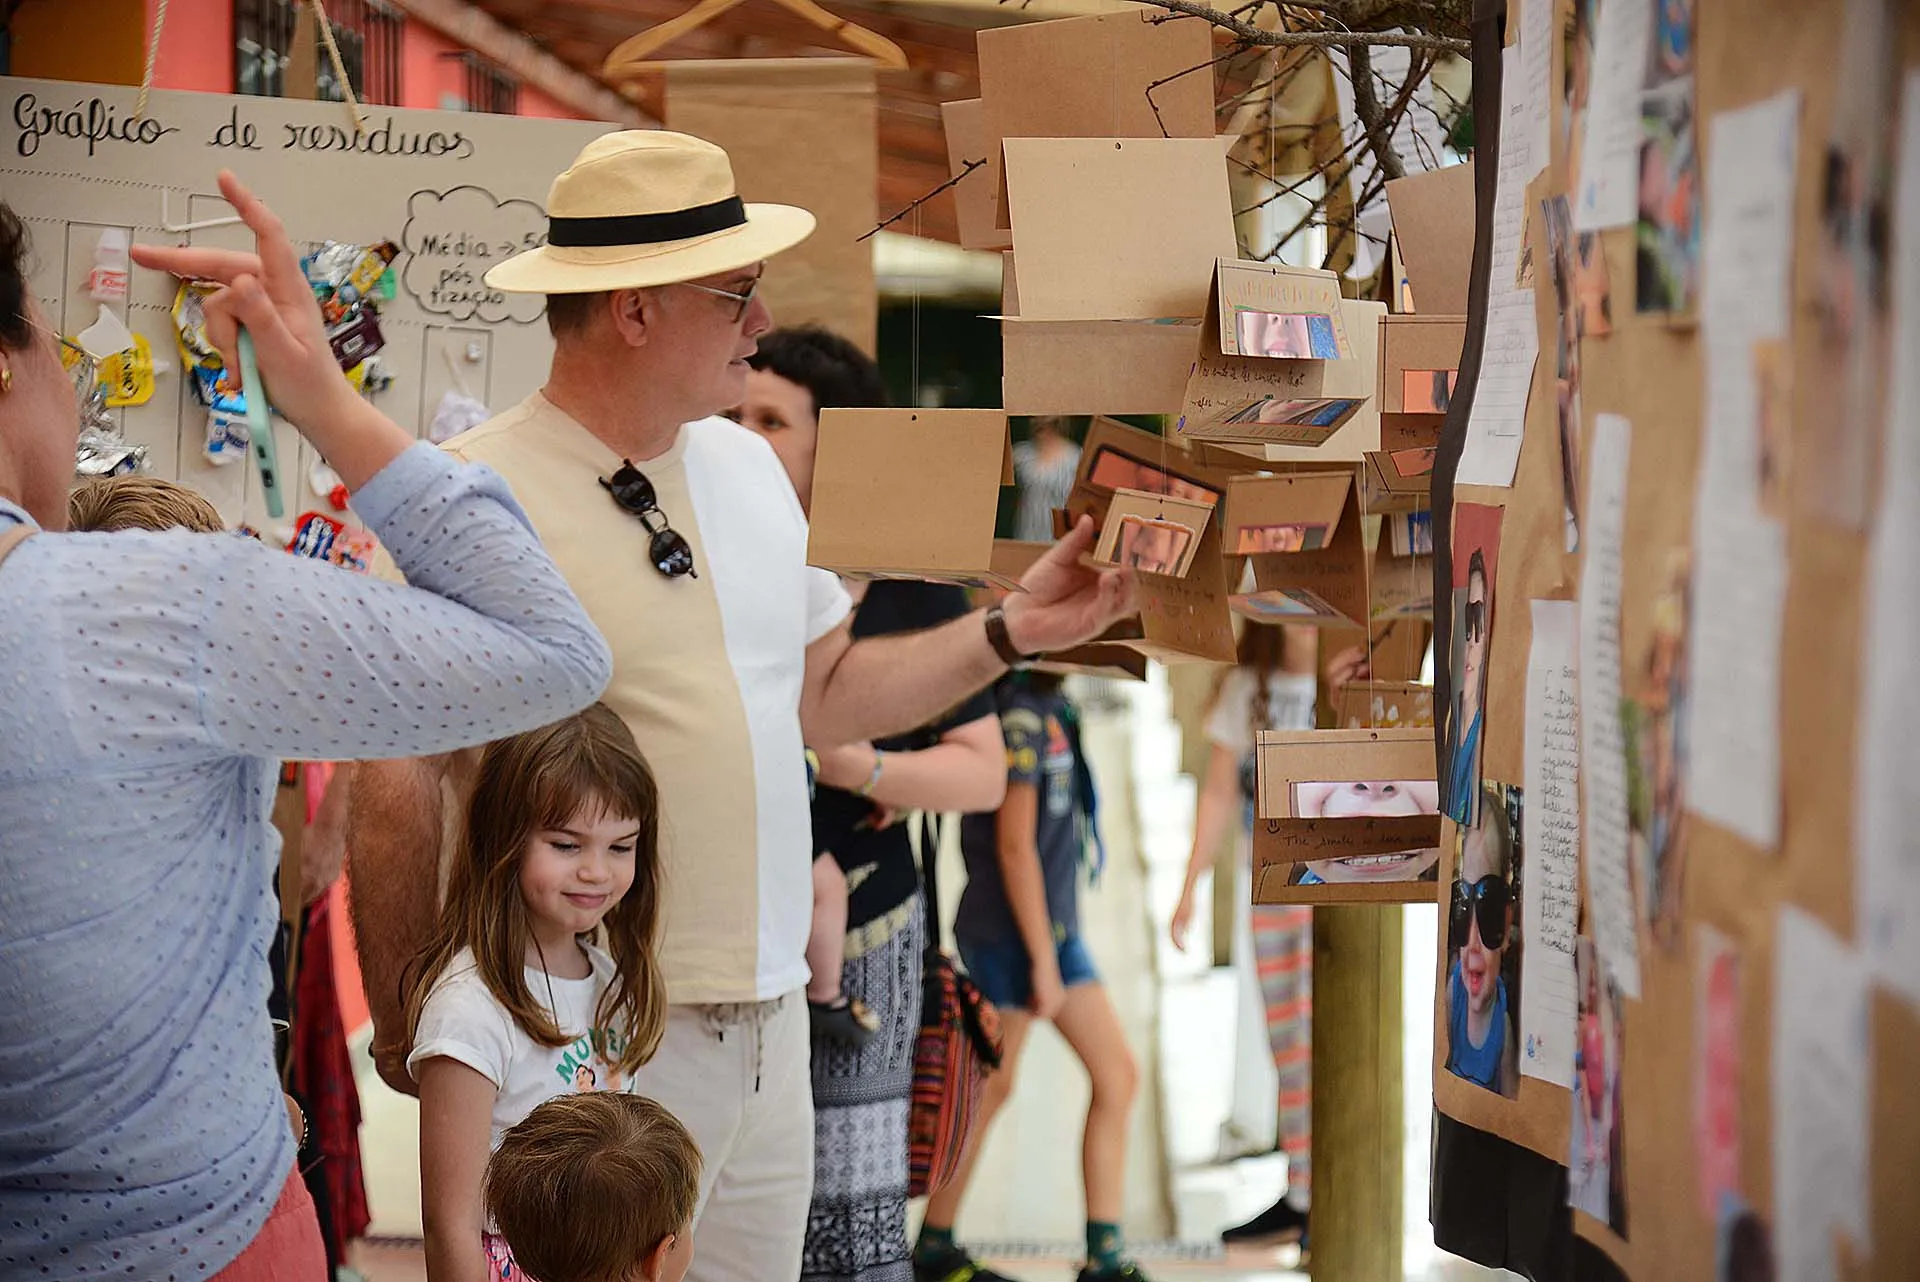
(800, 131)
(1383, 705)
(1419, 362)
(909, 494)
(1151, 532)
(975, 194)
(1181, 619)
(1274, 400)
(1115, 456)
(1351, 441)
(1318, 588)
(1398, 482)
(1090, 367)
(1433, 224)
(1296, 512)
(1117, 229)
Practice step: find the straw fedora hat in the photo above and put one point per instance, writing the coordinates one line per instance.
(644, 207)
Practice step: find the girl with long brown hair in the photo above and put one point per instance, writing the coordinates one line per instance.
(540, 977)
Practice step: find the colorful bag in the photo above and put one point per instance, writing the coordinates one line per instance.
(959, 1044)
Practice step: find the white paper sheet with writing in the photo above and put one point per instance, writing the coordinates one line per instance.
(1602, 742)
(1609, 190)
(1821, 1089)
(1887, 831)
(1536, 55)
(1740, 557)
(1497, 424)
(1550, 904)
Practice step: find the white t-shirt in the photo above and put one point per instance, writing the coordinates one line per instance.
(1290, 706)
(707, 673)
(463, 1021)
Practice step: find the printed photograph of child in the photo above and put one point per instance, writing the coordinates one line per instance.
(1483, 946)
(1476, 547)
(1367, 797)
(1596, 1182)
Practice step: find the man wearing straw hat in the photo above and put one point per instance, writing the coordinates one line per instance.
(681, 535)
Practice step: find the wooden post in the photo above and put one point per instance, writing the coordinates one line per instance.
(1358, 1126)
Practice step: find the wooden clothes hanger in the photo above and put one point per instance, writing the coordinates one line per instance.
(629, 59)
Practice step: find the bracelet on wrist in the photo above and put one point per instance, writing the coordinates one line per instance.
(873, 780)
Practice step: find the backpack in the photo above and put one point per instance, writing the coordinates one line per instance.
(959, 1044)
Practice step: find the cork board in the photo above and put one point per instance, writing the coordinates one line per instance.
(1650, 370)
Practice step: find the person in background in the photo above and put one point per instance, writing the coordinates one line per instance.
(1044, 465)
(1018, 931)
(596, 1188)
(1273, 686)
(166, 679)
(684, 536)
(872, 944)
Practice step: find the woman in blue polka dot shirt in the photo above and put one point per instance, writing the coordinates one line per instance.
(146, 682)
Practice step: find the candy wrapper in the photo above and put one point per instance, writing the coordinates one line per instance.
(190, 324)
(107, 453)
(126, 378)
(227, 438)
(357, 337)
(325, 539)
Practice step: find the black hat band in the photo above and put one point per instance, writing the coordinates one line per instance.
(647, 229)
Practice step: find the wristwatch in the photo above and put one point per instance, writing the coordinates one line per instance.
(1002, 641)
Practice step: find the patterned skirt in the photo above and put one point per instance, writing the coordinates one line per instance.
(857, 1225)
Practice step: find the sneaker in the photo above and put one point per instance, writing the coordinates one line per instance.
(953, 1266)
(843, 1019)
(1127, 1271)
(1275, 1226)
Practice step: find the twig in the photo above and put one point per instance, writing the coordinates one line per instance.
(965, 169)
(1261, 37)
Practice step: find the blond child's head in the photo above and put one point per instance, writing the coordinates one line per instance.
(138, 502)
(597, 1187)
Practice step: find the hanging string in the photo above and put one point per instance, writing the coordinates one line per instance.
(153, 56)
(339, 66)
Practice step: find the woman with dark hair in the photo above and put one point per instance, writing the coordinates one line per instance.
(869, 926)
(142, 1127)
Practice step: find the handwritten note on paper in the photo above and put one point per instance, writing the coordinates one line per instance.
(1609, 190)
(1888, 842)
(1747, 243)
(1536, 54)
(1609, 887)
(1821, 1089)
(1550, 908)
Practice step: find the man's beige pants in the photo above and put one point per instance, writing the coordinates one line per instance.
(738, 1078)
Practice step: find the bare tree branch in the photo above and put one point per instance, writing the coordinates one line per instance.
(954, 181)
(1260, 36)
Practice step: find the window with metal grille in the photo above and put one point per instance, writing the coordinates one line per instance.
(368, 33)
(488, 88)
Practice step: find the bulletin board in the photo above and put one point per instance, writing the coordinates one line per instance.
(456, 191)
(1502, 1164)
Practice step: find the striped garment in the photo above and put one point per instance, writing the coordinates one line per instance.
(1283, 956)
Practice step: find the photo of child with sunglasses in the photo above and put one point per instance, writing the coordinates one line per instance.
(1483, 940)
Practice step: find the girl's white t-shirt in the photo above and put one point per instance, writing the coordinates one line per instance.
(1290, 706)
(463, 1021)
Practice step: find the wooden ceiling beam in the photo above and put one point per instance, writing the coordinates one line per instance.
(473, 27)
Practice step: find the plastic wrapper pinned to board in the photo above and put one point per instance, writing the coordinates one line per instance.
(107, 453)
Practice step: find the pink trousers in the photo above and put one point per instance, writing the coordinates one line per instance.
(288, 1248)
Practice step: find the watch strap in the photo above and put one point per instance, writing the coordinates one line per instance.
(1001, 640)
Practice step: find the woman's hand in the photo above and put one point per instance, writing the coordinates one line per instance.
(1348, 666)
(1049, 993)
(1182, 918)
(266, 292)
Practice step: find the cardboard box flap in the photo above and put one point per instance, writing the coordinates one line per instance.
(1115, 456)
(1327, 586)
(1117, 229)
(909, 493)
(1433, 220)
(1274, 311)
(1419, 364)
(1269, 401)
(977, 193)
(1116, 75)
(1095, 367)
(1398, 482)
(1291, 512)
(1402, 587)
(1181, 619)
(1284, 758)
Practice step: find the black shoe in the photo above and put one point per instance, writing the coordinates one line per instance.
(953, 1266)
(1127, 1271)
(843, 1019)
(1275, 1226)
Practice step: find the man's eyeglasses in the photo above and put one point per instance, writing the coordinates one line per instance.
(1476, 620)
(1486, 902)
(668, 549)
(744, 300)
(85, 364)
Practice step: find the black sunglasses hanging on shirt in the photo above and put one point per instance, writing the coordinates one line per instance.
(667, 548)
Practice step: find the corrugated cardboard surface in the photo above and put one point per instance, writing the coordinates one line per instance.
(800, 131)
(1117, 229)
(1651, 372)
(908, 491)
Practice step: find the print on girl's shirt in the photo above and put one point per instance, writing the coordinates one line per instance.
(588, 1064)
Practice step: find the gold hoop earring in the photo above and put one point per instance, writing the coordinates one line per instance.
(6, 379)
